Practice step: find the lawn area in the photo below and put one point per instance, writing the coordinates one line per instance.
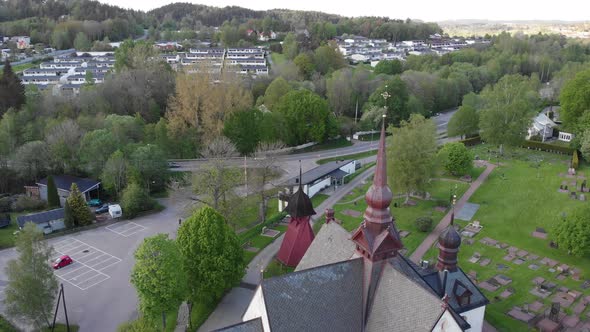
(405, 216)
(62, 328)
(519, 196)
(278, 58)
(355, 156)
(7, 233)
(200, 312)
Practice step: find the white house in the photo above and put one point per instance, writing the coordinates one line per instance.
(542, 126)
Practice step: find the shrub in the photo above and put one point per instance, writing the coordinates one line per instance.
(25, 203)
(423, 223)
(134, 200)
(575, 160)
(455, 158)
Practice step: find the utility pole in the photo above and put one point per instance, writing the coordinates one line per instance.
(246, 175)
(356, 112)
(61, 297)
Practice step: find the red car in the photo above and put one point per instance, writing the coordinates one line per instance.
(62, 261)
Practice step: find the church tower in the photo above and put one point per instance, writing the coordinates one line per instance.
(299, 234)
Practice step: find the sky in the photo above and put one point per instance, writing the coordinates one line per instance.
(428, 10)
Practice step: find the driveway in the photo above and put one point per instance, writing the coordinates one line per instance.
(98, 293)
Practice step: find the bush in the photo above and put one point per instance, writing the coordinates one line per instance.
(547, 147)
(25, 203)
(443, 203)
(455, 158)
(424, 223)
(134, 200)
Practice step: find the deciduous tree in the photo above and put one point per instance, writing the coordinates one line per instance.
(455, 158)
(158, 277)
(32, 287)
(465, 122)
(277, 89)
(573, 233)
(389, 67)
(211, 253)
(135, 199)
(266, 168)
(412, 155)
(114, 174)
(575, 98)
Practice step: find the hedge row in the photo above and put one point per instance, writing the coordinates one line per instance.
(547, 147)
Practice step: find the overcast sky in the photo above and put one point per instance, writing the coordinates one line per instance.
(429, 10)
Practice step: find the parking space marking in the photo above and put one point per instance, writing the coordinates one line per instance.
(89, 262)
(126, 229)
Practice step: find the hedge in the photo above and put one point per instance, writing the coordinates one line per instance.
(471, 141)
(547, 147)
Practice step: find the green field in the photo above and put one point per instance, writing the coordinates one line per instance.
(355, 156)
(519, 196)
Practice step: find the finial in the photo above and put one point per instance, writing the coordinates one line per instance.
(300, 175)
(453, 218)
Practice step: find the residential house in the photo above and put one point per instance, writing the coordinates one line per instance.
(46, 221)
(64, 183)
(541, 126)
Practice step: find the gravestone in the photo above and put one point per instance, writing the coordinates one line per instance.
(554, 312)
(582, 197)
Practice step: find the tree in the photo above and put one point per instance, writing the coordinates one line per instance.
(135, 199)
(81, 214)
(575, 160)
(211, 253)
(214, 182)
(508, 108)
(585, 145)
(82, 43)
(573, 233)
(339, 91)
(152, 168)
(412, 155)
(465, 122)
(156, 275)
(455, 158)
(52, 196)
(575, 98)
(243, 129)
(304, 117)
(63, 142)
(32, 286)
(290, 47)
(266, 168)
(423, 223)
(304, 63)
(32, 160)
(95, 149)
(114, 174)
(389, 67)
(12, 91)
(395, 103)
(68, 217)
(327, 59)
(278, 88)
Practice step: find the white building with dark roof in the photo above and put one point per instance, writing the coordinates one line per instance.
(362, 281)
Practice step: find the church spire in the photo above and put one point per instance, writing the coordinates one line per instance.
(377, 238)
(448, 245)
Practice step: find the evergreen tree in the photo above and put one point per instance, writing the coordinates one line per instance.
(52, 196)
(12, 91)
(81, 214)
(68, 217)
(575, 160)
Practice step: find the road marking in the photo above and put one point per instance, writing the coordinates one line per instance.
(123, 229)
(90, 259)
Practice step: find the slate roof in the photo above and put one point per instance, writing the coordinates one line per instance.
(39, 218)
(318, 172)
(253, 325)
(332, 244)
(326, 298)
(64, 182)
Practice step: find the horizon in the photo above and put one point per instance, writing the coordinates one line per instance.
(455, 10)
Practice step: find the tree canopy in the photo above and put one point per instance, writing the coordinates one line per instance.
(573, 233)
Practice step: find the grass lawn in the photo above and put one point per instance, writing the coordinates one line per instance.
(200, 312)
(62, 328)
(518, 197)
(329, 145)
(276, 268)
(355, 156)
(405, 216)
(278, 58)
(6, 234)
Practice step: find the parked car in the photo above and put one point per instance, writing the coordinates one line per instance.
(103, 209)
(95, 202)
(173, 165)
(62, 261)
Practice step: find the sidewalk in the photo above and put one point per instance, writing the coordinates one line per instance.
(446, 220)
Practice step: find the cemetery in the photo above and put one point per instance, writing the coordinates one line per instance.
(507, 249)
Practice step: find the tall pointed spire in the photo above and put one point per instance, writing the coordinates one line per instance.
(377, 238)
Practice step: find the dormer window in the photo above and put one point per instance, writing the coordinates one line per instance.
(462, 294)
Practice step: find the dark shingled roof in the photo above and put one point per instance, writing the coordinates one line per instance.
(326, 298)
(253, 325)
(41, 217)
(318, 172)
(299, 205)
(64, 182)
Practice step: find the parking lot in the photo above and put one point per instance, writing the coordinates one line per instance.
(88, 266)
(125, 229)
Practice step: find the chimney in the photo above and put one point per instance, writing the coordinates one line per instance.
(329, 215)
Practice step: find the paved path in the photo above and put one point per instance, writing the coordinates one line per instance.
(234, 304)
(446, 220)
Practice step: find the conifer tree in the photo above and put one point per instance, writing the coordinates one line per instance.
(81, 214)
(12, 91)
(52, 196)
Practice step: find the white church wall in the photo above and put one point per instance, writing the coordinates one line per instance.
(349, 168)
(314, 189)
(447, 323)
(256, 309)
(475, 318)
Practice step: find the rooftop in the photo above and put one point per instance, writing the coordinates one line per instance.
(318, 172)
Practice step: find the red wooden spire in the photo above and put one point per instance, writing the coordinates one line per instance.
(377, 238)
